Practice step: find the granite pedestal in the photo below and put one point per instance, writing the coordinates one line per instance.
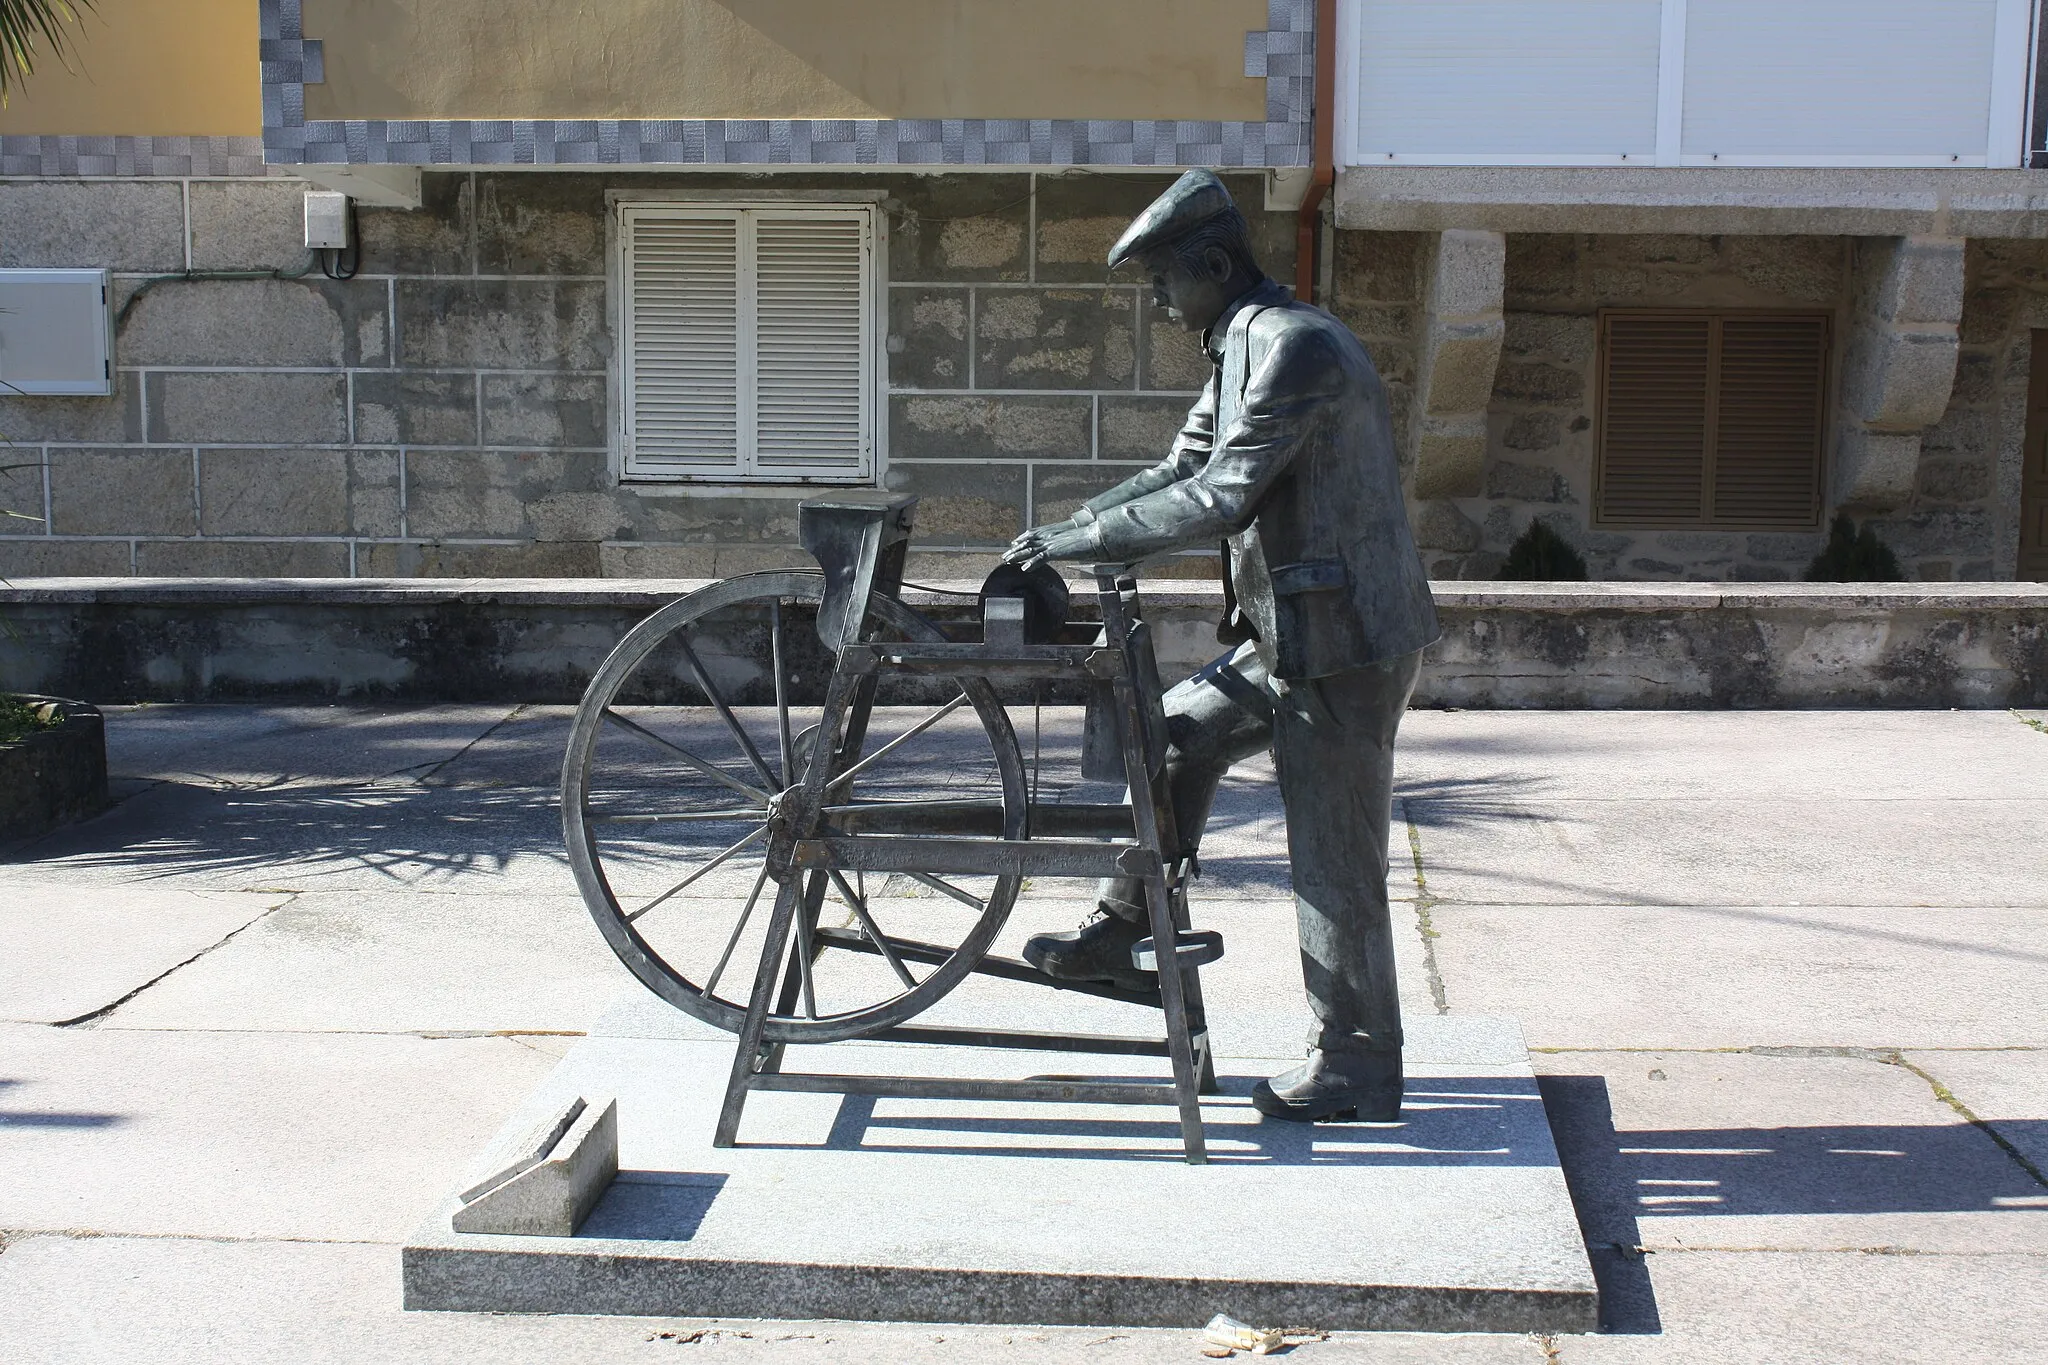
(1456, 1219)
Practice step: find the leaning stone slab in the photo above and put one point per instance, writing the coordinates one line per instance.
(545, 1181)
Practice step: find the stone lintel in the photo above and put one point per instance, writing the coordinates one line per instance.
(1898, 364)
(1457, 352)
(1695, 200)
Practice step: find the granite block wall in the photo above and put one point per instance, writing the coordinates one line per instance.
(446, 411)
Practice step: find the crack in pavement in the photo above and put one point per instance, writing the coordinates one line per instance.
(1424, 903)
(93, 1016)
(1949, 1098)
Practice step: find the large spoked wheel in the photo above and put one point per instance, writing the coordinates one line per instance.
(678, 756)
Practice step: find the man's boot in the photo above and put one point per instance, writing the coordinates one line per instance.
(1100, 950)
(1365, 1086)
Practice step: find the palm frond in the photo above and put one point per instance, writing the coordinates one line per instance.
(27, 27)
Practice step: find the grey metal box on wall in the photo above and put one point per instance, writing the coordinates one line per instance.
(56, 334)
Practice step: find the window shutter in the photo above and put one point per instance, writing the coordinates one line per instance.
(748, 337)
(683, 341)
(1882, 79)
(1537, 79)
(1711, 419)
(1768, 428)
(1654, 426)
(810, 360)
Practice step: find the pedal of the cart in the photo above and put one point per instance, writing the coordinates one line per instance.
(1195, 948)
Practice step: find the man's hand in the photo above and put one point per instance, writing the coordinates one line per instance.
(1059, 540)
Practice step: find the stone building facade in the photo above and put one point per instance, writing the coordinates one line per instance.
(448, 411)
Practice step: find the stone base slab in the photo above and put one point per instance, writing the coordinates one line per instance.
(1455, 1220)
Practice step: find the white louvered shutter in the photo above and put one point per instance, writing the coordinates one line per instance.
(811, 360)
(682, 342)
(750, 342)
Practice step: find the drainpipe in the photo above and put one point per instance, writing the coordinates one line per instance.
(1323, 166)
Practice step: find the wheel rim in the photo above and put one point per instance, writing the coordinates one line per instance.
(717, 740)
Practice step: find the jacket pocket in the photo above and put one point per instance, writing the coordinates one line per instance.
(1307, 603)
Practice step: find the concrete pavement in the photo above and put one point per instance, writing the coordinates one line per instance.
(1783, 972)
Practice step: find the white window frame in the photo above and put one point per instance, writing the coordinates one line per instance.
(2009, 122)
(744, 477)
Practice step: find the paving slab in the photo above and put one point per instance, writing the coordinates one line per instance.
(2008, 1089)
(174, 1301)
(1819, 1308)
(1738, 976)
(241, 1134)
(1659, 755)
(67, 952)
(395, 962)
(1455, 1219)
(1738, 849)
(1729, 1151)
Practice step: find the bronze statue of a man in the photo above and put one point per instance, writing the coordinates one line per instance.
(1288, 456)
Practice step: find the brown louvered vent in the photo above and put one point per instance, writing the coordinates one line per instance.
(1711, 418)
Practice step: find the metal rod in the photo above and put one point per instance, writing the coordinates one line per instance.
(952, 1088)
(781, 692)
(732, 722)
(747, 1055)
(728, 816)
(948, 853)
(881, 942)
(946, 888)
(709, 769)
(737, 930)
(1108, 1043)
(758, 832)
(913, 732)
(1005, 968)
(804, 949)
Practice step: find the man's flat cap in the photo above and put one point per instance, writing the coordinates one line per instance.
(1188, 203)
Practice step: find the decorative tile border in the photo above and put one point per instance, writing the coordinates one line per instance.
(28, 154)
(1282, 53)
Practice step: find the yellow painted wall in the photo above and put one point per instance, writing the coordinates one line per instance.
(417, 59)
(158, 68)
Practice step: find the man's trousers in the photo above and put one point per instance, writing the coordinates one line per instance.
(1332, 740)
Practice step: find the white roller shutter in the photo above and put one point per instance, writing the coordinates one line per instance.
(1541, 80)
(748, 342)
(1892, 81)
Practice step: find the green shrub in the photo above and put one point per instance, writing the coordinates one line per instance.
(1854, 556)
(1542, 555)
(20, 719)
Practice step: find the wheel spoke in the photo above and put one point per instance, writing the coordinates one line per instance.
(710, 770)
(875, 935)
(715, 862)
(947, 888)
(723, 816)
(732, 722)
(804, 943)
(912, 733)
(781, 693)
(737, 929)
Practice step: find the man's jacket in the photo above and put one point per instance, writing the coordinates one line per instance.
(1289, 454)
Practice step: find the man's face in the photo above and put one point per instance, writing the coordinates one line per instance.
(1193, 298)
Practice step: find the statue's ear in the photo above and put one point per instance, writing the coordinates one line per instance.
(1217, 264)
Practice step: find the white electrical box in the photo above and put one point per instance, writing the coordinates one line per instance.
(326, 220)
(56, 332)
